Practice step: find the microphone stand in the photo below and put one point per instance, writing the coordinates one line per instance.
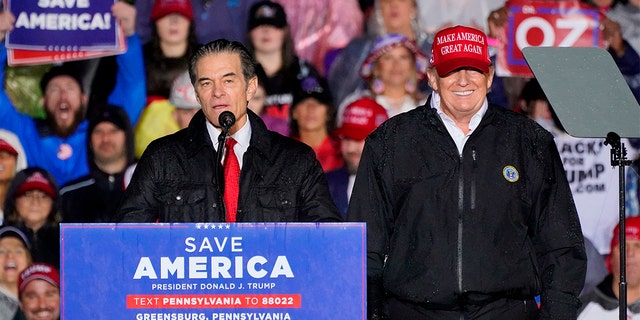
(619, 158)
(218, 170)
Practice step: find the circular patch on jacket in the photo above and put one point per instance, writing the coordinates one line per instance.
(510, 173)
(65, 151)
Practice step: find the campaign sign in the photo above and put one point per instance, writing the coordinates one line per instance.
(20, 57)
(546, 24)
(213, 271)
(62, 25)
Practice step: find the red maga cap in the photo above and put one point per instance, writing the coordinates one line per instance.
(6, 146)
(460, 47)
(41, 271)
(162, 8)
(632, 232)
(37, 181)
(360, 118)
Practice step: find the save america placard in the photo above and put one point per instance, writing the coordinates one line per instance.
(245, 271)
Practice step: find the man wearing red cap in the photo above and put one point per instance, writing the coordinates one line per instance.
(602, 302)
(468, 210)
(39, 289)
(359, 119)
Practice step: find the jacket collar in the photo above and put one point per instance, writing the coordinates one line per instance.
(431, 114)
(198, 137)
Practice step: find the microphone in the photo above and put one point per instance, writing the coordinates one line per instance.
(226, 120)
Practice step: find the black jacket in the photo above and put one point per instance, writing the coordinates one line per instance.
(281, 180)
(93, 198)
(448, 230)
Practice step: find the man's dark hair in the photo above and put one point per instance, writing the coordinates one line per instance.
(224, 46)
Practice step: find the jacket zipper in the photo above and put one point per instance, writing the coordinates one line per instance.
(474, 156)
(460, 212)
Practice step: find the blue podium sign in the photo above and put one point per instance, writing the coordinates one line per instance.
(240, 271)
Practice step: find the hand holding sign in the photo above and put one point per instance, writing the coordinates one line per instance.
(6, 23)
(126, 14)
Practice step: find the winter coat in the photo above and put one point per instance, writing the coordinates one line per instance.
(446, 230)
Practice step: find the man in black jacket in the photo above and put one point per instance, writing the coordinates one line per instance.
(469, 213)
(176, 180)
(95, 197)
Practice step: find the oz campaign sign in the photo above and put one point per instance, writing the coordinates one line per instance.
(213, 271)
(546, 24)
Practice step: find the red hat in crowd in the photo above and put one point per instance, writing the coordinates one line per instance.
(162, 8)
(459, 47)
(37, 181)
(360, 118)
(388, 42)
(5, 146)
(41, 271)
(632, 232)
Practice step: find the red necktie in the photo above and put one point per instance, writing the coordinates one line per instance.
(231, 180)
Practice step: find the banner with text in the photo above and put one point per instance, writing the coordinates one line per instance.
(545, 23)
(48, 31)
(594, 185)
(213, 271)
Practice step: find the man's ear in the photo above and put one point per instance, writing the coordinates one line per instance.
(490, 75)
(252, 87)
(432, 77)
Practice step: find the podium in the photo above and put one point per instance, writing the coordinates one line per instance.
(213, 271)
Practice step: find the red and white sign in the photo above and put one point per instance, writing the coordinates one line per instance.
(546, 23)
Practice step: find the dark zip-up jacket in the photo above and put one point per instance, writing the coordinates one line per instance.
(447, 230)
(281, 180)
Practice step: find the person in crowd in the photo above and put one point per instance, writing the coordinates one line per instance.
(212, 19)
(58, 142)
(623, 18)
(359, 119)
(39, 286)
(14, 258)
(32, 206)
(267, 177)
(603, 301)
(321, 27)
(393, 69)
(173, 41)
(468, 210)
(270, 42)
(625, 13)
(439, 14)
(12, 160)
(313, 118)
(95, 197)
(163, 117)
(388, 17)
